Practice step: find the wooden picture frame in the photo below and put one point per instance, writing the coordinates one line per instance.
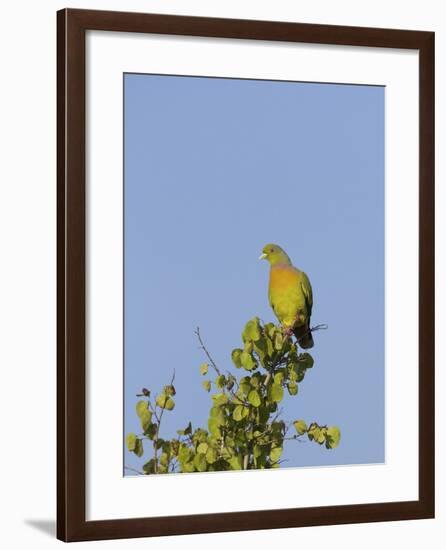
(72, 25)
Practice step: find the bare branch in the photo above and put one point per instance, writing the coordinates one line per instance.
(208, 355)
(134, 470)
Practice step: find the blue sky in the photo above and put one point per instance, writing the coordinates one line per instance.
(216, 168)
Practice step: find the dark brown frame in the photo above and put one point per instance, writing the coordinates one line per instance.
(71, 27)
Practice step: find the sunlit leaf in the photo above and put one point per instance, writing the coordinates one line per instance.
(247, 361)
(200, 462)
(240, 412)
(202, 448)
(301, 426)
(204, 367)
(333, 437)
(220, 381)
(254, 398)
(252, 330)
(235, 356)
(211, 455)
(275, 393)
(275, 454)
(236, 462)
(220, 399)
(130, 441)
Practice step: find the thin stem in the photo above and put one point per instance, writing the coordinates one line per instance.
(134, 470)
(322, 326)
(208, 355)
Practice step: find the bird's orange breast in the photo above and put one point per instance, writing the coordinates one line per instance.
(283, 277)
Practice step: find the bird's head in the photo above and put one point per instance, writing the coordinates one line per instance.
(275, 255)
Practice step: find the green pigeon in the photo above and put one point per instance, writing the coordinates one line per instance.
(290, 294)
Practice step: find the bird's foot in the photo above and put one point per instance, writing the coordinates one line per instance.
(287, 331)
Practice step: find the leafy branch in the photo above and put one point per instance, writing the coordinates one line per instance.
(244, 427)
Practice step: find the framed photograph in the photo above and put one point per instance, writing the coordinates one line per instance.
(245, 275)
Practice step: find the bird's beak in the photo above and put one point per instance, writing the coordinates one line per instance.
(262, 256)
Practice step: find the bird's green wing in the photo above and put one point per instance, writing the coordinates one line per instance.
(308, 292)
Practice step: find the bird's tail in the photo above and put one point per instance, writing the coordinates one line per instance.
(304, 336)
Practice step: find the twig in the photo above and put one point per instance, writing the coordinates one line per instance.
(217, 370)
(134, 470)
(208, 355)
(322, 326)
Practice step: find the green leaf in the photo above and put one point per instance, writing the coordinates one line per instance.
(130, 441)
(204, 367)
(220, 399)
(235, 356)
(254, 398)
(145, 416)
(146, 421)
(314, 432)
(260, 347)
(165, 402)
(245, 385)
(169, 390)
(218, 414)
(258, 450)
(321, 436)
(235, 462)
(214, 427)
(292, 372)
(141, 407)
(248, 347)
(138, 450)
(275, 454)
(220, 381)
(292, 388)
(200, 462)
(252, 330)
(333, 437)
(184, 454)
(256, 380)
(202, 448)
(207, 385)
(170, 404)
(200, 435)
(164, 459)
(247, 361)
(211, 455)
(275, 393)
(188, 467)
(278, 341)
(306, 360)
(301, 426)
(150, 432)
(279, 376)
(263, 413)
(278, 426)
(149, 467)
(161, 400)
(240, 412)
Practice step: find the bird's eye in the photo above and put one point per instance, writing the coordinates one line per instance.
(271, 249)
